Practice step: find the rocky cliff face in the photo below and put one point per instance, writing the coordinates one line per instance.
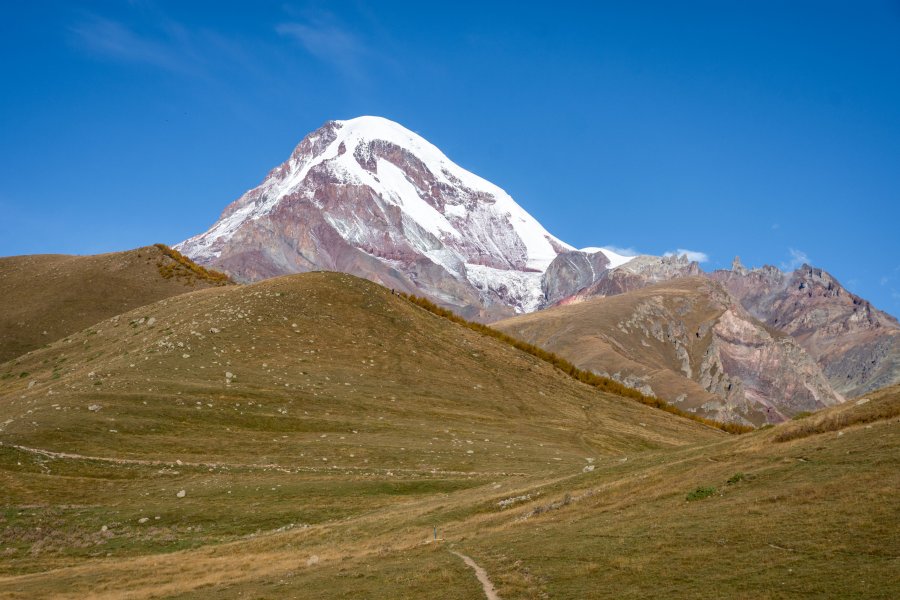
(639, 272)
(688, 342)
(369, 197)
(571, 272)
(759, 371)
(857, 346)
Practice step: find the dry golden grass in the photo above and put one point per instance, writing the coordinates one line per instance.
(181, 267)
(584, 376)
(877, 406)
(589, 334)
(805, 516)
(46, 297)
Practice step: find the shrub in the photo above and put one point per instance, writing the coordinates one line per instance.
(736, 478)
(602, 383)
(700, 493)
(189, 267)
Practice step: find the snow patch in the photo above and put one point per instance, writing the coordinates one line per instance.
(455, 210)
(615, 259)
(521, 289)
(395, 185)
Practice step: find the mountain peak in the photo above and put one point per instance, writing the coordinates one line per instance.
(370, 197)
(371, 128)
(367, 129)
(374, 127)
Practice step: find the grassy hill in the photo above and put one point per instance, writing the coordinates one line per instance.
(303, 437)
(589, 334)
(48, 296)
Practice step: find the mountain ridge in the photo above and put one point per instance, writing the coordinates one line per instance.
(857, 345)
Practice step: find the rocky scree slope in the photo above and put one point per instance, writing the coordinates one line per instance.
(626, 275)
(856, 346)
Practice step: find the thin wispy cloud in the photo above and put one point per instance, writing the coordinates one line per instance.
(330, 43)
(114, 40)
(622, 251)
(201, 56)
(797, 258)
(694, 255)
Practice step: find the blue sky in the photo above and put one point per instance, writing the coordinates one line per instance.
(765, 129)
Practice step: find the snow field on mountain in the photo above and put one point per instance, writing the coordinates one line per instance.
(461, 222)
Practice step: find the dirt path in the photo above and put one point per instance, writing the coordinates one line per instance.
(489, 591)
(265, 466)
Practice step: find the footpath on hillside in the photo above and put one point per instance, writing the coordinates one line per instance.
(489, 591)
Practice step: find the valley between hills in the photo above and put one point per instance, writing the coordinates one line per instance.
(318, 436)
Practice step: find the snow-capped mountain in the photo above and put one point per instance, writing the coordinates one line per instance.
(370, 197)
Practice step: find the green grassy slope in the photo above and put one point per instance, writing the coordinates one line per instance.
(748, 517)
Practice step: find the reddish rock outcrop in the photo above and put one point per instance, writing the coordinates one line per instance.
(857, 346)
